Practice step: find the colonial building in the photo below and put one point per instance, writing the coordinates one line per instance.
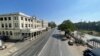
(19, 25)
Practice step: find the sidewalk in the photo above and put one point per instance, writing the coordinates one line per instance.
(10, 48)
(13, 47)
(77, 50)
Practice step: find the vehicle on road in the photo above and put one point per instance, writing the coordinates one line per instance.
(64, 39)
(92, 52)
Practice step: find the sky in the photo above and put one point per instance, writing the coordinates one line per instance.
(55, 10)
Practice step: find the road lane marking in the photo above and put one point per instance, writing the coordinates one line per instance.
(60, 53)
(46, 44)
(60, 50)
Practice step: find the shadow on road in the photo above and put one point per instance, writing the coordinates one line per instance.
(58, 36)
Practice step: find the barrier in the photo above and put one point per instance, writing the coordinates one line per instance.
(94, 43)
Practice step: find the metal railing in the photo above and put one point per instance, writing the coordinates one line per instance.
(94, 43)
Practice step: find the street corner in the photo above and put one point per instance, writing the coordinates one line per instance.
(8, 50)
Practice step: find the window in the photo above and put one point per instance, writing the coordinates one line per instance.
(26, 25)
(25, 19)
(10, 25)
(1, 19)
(10, 32)
(21, 18)
(29, 25)
(22, 34)
(9, 18)
(2, 25)
(22, 25)
(15, 18)
(5, 18)
(28, 19)
(3, 32)
(16, 24)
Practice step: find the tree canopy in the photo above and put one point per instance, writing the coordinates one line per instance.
(66, 25)
(52, 24)
(88, 26)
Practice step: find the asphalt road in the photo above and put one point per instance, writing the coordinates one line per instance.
(34, 47)
(56, 47)
(49, 44)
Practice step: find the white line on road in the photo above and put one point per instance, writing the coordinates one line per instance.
(46, 44)
(60, 53)
(40, 53)
(60, 50)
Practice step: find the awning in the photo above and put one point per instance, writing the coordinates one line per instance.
(32, 30)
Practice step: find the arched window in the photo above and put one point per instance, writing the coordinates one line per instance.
(1, 19)
(2, 25)
(5, 18)
(10, 25)
(9, 18)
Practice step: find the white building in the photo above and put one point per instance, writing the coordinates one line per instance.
(19, 25)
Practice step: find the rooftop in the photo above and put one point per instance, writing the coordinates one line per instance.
(15, 13)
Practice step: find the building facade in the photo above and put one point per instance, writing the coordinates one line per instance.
(19, 25)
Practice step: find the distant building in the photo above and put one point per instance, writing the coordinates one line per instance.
(44, 24)
(19, 25)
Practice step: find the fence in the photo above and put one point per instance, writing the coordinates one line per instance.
(93, 43)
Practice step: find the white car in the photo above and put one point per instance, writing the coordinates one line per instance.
(2, 47)
(70, 42)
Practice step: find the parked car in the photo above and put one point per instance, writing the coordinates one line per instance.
(92, 52)
(2, 47)
(70, 42)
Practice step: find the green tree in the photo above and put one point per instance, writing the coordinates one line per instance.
(52, 24)
(66, 26)
(95, 26)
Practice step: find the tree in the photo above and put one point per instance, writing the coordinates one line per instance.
(52, 24)
(66, 26)
(95, 26)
